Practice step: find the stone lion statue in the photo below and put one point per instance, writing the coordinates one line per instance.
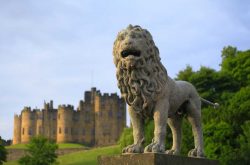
(149, 92)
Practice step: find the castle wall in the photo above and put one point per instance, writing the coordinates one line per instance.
(17, 129)
(109, 113)
(87, 124)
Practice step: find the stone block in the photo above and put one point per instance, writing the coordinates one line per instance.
(153, 159)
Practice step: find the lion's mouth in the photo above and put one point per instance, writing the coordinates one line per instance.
(130, 52)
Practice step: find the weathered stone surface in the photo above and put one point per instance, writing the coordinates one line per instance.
(153, 159)
(151, 93)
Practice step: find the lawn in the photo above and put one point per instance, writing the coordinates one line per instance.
(60, 145)
(88, 157)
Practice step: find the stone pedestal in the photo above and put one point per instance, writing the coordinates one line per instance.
(153, 159)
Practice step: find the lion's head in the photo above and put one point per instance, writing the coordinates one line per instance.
(140, 74)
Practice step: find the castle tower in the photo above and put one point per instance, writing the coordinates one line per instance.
(110, 111)
(64, 123)
(17, 130)
(86, 118)
(28, 125)
(49, 117)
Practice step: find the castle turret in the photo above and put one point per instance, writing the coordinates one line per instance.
(64, 123)
(28, 125)
(17, 130)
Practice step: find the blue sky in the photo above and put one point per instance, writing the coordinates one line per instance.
(57, 49)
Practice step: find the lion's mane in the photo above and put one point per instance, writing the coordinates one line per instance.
(142, 85)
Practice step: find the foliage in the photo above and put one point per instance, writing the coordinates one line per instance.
(126, 138)
(3, 152)
(40, 152)
(226, 129)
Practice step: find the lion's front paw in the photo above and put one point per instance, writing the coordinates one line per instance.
(172, 152)
(196, 153)
(155, 147)
(133, 148)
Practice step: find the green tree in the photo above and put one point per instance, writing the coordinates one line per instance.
(3, 152)
(237, 64)
(126, 138)
(40, 152)
(185, 74)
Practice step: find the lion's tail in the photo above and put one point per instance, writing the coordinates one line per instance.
(215, 105)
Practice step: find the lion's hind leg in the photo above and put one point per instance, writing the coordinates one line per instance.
(175, 126)
(194, 117)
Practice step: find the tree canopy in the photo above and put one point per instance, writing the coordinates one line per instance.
(41, 151)
(3, 152)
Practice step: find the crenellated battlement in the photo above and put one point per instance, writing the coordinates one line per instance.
(66, 107)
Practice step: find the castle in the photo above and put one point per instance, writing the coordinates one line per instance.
(99, 120)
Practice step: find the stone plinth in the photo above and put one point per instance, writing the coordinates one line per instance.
(153, 159)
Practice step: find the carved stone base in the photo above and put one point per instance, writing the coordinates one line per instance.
(153, 159)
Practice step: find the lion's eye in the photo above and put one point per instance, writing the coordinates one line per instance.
(121, 37)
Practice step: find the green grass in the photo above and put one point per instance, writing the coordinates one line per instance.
(70, 145)
(16, 146)
(60, 145)
(88, 157)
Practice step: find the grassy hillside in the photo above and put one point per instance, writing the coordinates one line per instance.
(88, 157)
(60, 145)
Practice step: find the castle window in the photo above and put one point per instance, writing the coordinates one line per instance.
(30, 131)
(110, 113)
(23, 131)
(58, 116)
(54, 131)
(72, 131)
(93, 132)
(66, 130)
(83, 131)
(60, 130)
